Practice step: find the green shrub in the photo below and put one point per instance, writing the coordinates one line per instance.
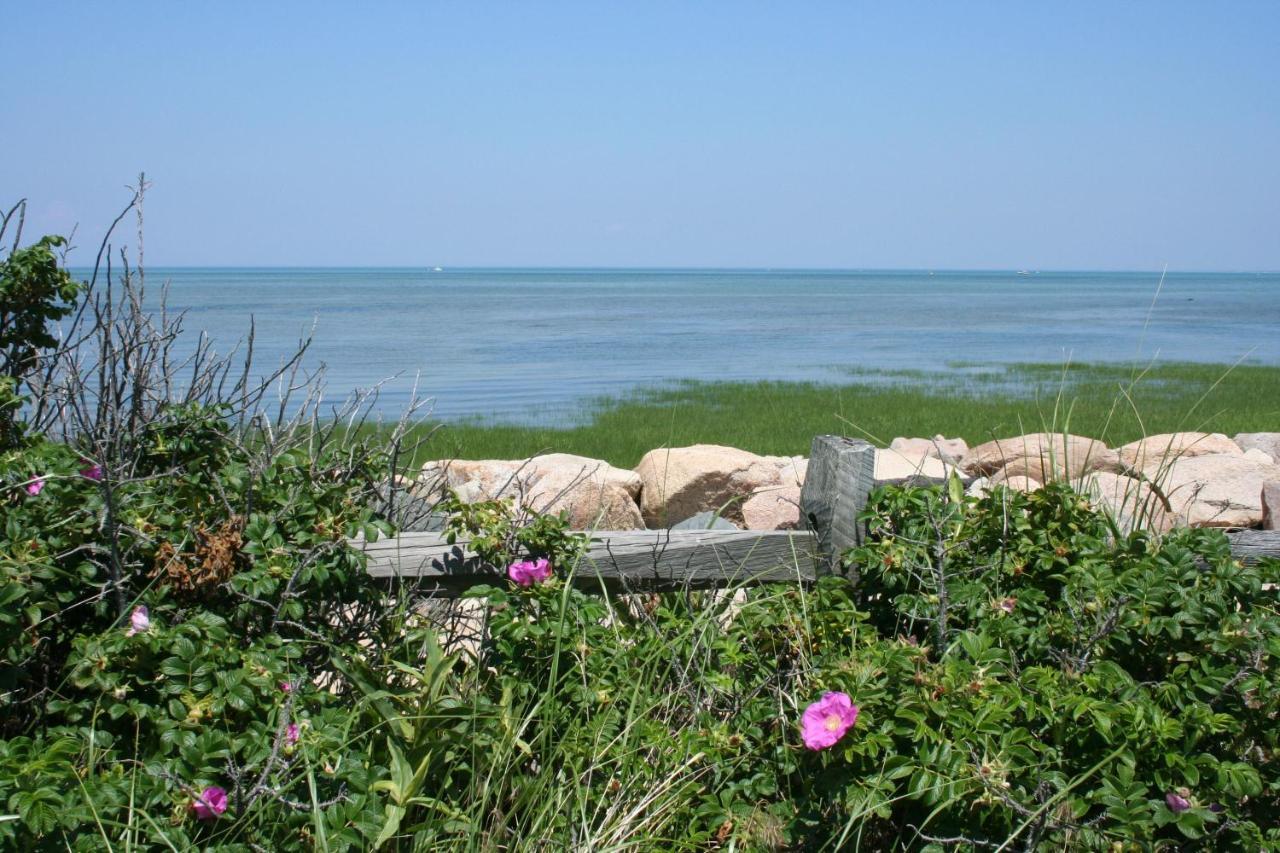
(176, 586)
(35, 290)
(1023, 674)
(248, 587)
(1068, 680)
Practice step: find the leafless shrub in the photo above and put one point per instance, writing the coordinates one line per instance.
(124, 360)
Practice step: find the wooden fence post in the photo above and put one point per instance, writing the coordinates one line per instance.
(841, 474)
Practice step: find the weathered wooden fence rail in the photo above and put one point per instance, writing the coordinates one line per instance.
(622, 560)
(841, 475)
(1250, 546)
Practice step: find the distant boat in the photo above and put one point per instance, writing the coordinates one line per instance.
(438, 269)
(1024, 272)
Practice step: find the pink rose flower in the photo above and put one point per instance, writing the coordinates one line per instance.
(291, 734)
(91, 471)
(529, 572)
(211, 803)
(825, 721)
(36, 486)
(139, 621)
(286, 687)
(1178, 802)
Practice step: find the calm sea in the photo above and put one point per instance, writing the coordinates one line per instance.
(532, 345)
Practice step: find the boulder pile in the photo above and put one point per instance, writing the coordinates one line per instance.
(1163, 481)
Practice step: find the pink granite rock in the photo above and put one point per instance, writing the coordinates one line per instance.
(1132, 503)
(593, 493)
(1176, 445)
(773, 509)
(949, 450)
(1044, 453)
(680, 482)
(1214, 491)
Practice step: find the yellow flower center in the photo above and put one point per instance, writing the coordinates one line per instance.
(833, 723)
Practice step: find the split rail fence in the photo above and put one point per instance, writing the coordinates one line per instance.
(841, 475)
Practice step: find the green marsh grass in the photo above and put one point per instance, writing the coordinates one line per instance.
(1114, 403)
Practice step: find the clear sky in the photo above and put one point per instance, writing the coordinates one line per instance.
(1115, 135)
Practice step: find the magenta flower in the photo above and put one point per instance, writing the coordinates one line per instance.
(139, 621)
(529, 572)
(91, 471)
(286, 687)
(36, 486)
(1177, 802)
(825, 721)
(291, 734)
(211, 803)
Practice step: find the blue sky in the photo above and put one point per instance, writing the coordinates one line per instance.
(964, 135)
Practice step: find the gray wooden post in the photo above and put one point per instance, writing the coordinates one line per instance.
(841, 474)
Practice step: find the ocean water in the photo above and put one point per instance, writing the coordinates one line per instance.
(533, 345)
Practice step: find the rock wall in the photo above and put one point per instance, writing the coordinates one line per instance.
(1162, 481)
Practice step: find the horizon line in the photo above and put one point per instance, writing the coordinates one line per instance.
(739, 269)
